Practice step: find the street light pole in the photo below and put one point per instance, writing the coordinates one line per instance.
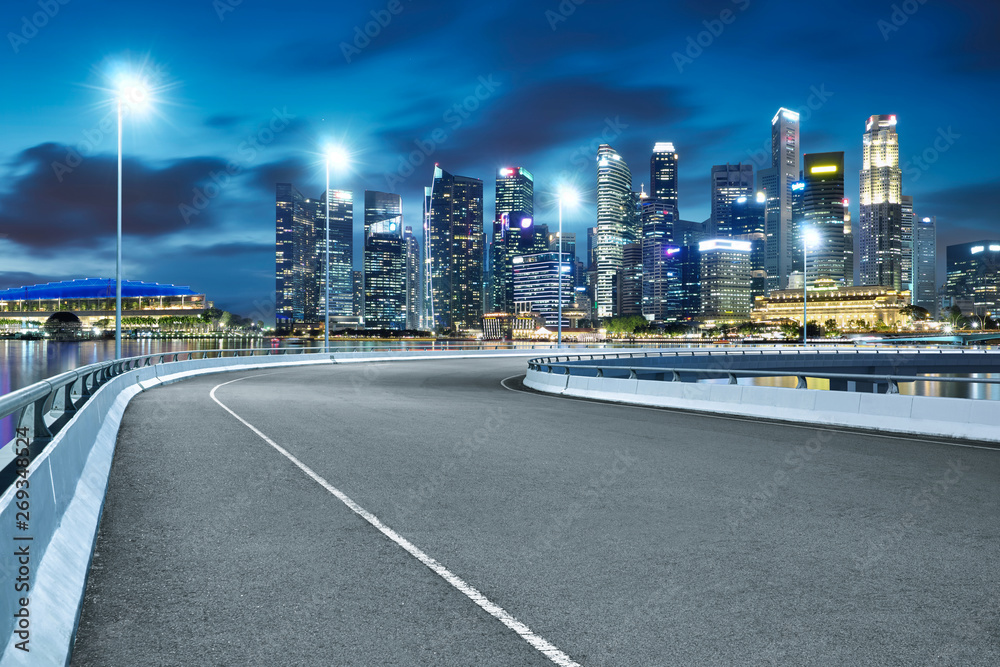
(559, 276)
(805, 292)
(118, 260)
(326, 279)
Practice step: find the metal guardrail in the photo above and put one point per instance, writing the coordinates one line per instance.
(891, 382)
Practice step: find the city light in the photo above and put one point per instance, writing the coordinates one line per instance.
(824, 169)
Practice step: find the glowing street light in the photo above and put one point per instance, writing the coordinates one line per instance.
(570, 198)
(133, 92)
(810, 237)
(335, 155)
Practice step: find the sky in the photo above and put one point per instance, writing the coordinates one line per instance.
(248, 93)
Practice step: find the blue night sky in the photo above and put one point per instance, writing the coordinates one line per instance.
(479, 85)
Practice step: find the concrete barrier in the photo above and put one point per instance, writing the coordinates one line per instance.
(963, 418)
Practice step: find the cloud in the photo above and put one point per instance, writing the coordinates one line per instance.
(51, 210)
(9, 279)
(222, 121)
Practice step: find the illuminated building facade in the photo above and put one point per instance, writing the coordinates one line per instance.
(384, 262)
(925, 264)
(823, 214)
(907, 219)
(615, 210)
(414, 279)
(536, 285)
(725, 278)
(630, 285)
(847, 306)
(776, 182)
(881, 242)
(455, 245)
(661, 272)
(515, 191)
(295, 290)
(341, 253)
(747, 224)
(974, 275)
(663, 175)
(729, 183)
(514, 233)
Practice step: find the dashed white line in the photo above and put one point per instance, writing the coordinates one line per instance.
(548, 649)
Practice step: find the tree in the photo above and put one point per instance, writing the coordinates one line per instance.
(915, 313)
(954, 316)
(831, 328)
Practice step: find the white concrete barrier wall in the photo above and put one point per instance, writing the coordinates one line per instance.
(894, 413)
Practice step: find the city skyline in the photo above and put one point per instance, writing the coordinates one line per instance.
(544, 103)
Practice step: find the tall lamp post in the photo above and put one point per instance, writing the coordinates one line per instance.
(133, 92)
(334, 154)
(810, 237)
(570, 198)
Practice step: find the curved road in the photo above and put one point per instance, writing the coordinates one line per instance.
(617, 535)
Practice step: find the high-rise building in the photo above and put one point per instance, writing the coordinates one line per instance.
(294, 267)
(906, 242)
(630, 285)
(823, 216)
(591, 237)
(358, 294)
(849, 280)
(414, 275)
(776, 182)
(881, 243)
(515, 191)
(384, 265)
(514, 233)
(661, 274)
(974, 275)
(663, 175)
(729, 183)
(454, 242)
(381, 207)
(925, 264)
(341, 256)
(725, 278)
(747, 223)
(536, 285)
(615, 206)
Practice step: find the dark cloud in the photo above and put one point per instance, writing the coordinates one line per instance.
(53, 207)
(227, 250)
(9, 279)
(222, 121)
(971, 207)
(295, 170)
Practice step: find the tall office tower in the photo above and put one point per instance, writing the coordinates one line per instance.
(294, 266)
(881, 243)
(925, 265)
(725, 278)
(514, 233)
(414, 293)
(630, 286)
(906, 243)
(848, 246)
(385, 275)
(381, 207)
(747, 223)
(663, 175)
(358, 294)
(729, 183)
(591, 237)
(823, 216)
(515, 191)
(974, 275)
(568, 242)
(614, 213)
(455, 247)
(341, 253)
(795, 231)
(776, 182)
(660, 263)
(536, 285)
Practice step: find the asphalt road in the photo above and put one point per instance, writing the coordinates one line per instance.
(623, 536)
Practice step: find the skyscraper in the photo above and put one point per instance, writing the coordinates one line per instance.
(515, 191)
(729, 183)
(881, 243)
(974, 275)
(294, 266)
(925, 264)
(384, 262)
(514, 233)
(414, 273)
(907, 220)
(454, 239)
(614, 211)
(725, 278)
(663, 175)
(661, 276)
(776, 182)
(747, 223)
(536, 285)
(341, 252)
(823, 214)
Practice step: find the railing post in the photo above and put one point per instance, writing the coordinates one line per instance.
(732, 379)
(893, 387)
(801, 382)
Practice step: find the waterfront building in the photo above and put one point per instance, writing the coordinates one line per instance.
(536, 285)
(974, 275)
(925, 284)
(725, 278)
(414, 279)
(907, 220)
(663, 175)
(296, 291)
(849, 307)
(615, 206)
(823, 215)
(728, 183)
(881, 243)
(776, 182)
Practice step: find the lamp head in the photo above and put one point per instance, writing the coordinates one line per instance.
(134, 92)
(569, 196)
(811, 238)
(337, 156)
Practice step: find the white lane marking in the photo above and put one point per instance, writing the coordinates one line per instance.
(916, 439)
(548, 649)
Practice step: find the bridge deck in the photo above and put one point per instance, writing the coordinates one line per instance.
(623, 536)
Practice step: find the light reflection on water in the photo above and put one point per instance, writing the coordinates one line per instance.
(989, 392)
